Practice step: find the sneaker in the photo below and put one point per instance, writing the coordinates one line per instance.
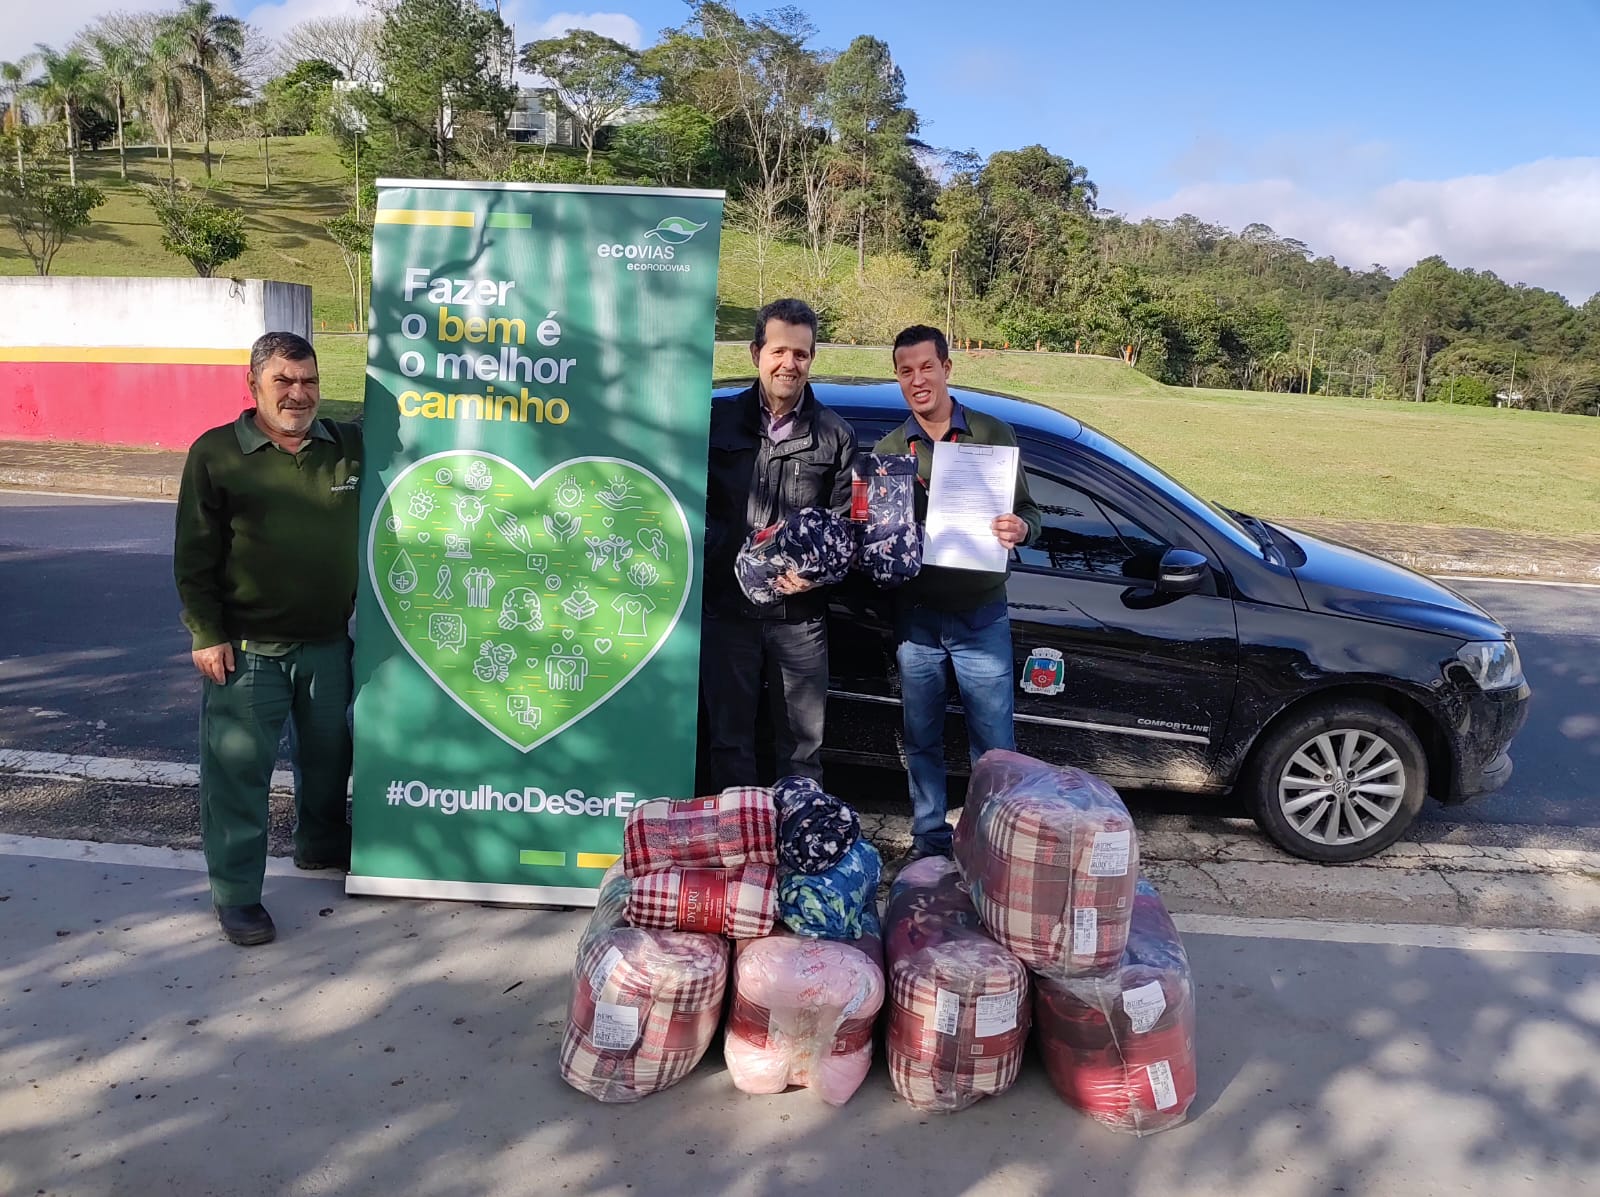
(247, 926)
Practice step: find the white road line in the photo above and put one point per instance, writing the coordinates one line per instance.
(1461, 939)
(1516, 581)
(79, 494)
(71, 767)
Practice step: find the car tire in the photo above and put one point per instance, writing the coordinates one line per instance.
(1297, 798)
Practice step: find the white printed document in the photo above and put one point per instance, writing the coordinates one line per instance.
(970, 486)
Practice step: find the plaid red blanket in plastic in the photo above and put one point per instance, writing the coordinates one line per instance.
(740, 903)
(1121, 1047)
(736, 827)
(958, 1001)
(1051, 859)
(645, 1004)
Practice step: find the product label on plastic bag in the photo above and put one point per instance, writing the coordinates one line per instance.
(1111, 854)
(946, 1012)
(1161, 1086)
(1085, 931)
(601, 973)
(702, 900)
(859, 998)
(1145, 1005)
(997, 1013)
(615, 1027)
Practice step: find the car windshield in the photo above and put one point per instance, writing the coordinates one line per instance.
(1175, 493)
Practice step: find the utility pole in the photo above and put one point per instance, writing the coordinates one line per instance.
(1511, 390)
(1312, 368)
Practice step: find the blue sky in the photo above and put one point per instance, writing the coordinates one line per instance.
(1373, 131)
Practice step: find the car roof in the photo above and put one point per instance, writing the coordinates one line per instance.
(872, 397)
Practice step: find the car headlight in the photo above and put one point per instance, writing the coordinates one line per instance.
(1493, 664)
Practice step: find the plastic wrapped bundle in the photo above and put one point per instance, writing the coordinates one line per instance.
(736, 827)
(1121, 1047)
(1050, 857)
(812, 542)
(840, 903)
(958, 1001)
(740, 903)
(803, 1012)
(645, 1004)
(883, 507)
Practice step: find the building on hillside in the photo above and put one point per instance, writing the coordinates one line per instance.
(540, 118)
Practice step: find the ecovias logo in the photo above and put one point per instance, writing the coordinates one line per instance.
(656, 248)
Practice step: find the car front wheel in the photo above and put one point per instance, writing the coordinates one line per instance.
(1338, 782)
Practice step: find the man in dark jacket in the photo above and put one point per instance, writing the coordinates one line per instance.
(775, 449)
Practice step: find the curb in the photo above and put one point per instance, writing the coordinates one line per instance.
(141, 486)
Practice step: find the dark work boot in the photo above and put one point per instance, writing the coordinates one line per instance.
(247, 926)
(311, 862)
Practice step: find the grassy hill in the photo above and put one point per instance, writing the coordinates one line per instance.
(1281, 455)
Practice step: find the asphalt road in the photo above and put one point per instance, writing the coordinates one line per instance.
(94, 661)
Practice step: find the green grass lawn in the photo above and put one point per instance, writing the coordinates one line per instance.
(1278, 455)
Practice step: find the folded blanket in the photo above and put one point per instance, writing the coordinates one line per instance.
(815, 829)
(812, 542)
(736, 827)
(958, 1010)
(1120, 1047)
(803, 1012)
(838, 903)
(1050, 857)
(740, 903)
(644, 1004)
(883, 506)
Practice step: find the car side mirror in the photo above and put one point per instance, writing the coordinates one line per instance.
(1182, 571)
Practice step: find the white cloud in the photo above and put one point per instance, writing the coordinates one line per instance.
(276, 19)
(1534, 223)
(615, 25)
(55, 24)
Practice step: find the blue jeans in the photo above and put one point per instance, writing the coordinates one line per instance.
(977, 644)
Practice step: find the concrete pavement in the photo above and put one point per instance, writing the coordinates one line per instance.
(410, 1047)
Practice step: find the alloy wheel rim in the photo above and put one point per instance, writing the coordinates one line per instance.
(1342, 787)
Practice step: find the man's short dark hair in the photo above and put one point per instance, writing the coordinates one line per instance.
(790, 311)
(287, 345)
(921, 334)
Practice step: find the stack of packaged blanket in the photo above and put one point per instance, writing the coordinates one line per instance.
(698, 873)
(958, 1001)
(1051, 860)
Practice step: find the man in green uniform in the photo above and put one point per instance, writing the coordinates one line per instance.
(265, 559)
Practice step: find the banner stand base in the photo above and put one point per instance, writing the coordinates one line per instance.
(470, 891)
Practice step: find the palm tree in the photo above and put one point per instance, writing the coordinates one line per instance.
(13, 77)
(122, 68)
(163, 92)
(208, 41)
(68, 83)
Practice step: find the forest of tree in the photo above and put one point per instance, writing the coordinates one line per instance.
(835, 194)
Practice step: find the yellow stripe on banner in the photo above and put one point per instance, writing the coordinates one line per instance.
(124, 355)
(432, 217)
(597, 860)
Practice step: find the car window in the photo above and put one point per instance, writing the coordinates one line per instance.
(1082, 534)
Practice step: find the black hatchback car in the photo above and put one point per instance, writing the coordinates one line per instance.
(1164, 642)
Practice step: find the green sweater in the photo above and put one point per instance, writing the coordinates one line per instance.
(960, 589)
(266, 540)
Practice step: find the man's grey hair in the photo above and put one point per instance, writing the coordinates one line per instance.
(287, 345)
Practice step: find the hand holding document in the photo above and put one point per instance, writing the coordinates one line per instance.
(971, 485)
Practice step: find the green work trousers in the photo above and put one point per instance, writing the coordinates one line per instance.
(308, 687)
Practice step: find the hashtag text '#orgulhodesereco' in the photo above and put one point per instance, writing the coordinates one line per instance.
(531, 800)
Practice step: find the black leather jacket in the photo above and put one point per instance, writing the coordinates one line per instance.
(752, 483)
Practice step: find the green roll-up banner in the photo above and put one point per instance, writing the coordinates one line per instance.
(528, 624)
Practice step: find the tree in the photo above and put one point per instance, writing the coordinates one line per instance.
(678, 146)
(865, 100)
(348, 44)
(594, 76)
(69, 82)
(353, 236)
(1561, 385)
(297, 99)
(202, 232)
(206, 42)
(44, 212)
(1423, 307)
(13, 80)
(163, 94)
(954, 231)
(124, 72)
(439, 57)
